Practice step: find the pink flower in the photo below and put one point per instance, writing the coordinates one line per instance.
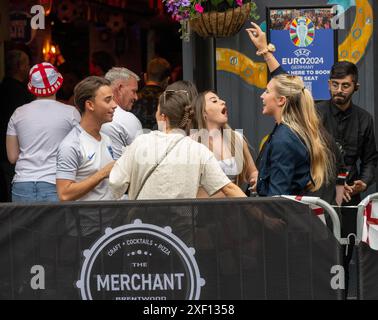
(198, 8)
(239, 2)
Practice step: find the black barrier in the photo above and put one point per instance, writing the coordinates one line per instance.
(367, 272)
(263, 248)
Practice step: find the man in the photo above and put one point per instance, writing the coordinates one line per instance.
(85, 156)
(353, 129)
(125, 126)
(35, 131)
(13, 94)
(156, 79)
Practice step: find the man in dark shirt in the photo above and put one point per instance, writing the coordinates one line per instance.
(353, 129)
(14, 94)
(156, 79)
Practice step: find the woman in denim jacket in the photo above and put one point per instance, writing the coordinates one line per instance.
(295, 159)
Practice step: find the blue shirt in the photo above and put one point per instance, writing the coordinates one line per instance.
(284, 167)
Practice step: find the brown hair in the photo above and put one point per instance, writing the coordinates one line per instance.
(176, 106)
(158, 70)
(242, 155)
(86, 90)
(187, 86)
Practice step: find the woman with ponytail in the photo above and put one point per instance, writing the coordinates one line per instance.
(296, 111)
(295, 159)
(168, 164)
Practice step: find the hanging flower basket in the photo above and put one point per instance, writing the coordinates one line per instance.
(221, 24)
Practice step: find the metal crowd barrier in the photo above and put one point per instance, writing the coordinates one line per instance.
(367, 247)
(315, 204)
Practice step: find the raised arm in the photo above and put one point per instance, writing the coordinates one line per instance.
(258, 38)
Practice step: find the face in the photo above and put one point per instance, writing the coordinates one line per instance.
(103, 105)
(215, 110)
(126, 93)
(271, 103)
(341, 90)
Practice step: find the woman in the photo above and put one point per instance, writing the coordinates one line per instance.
(169, 164)
(295, 159)
(229, 147)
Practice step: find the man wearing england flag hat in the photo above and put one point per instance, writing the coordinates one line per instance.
(34, 133)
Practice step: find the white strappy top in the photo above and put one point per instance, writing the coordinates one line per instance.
(230, 168)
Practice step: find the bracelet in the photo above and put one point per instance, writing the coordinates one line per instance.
(270, 48)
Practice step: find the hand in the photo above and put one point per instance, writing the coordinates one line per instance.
(257, 36)
(359, 186)
(106, 170)
(348, 190)
(253, 181)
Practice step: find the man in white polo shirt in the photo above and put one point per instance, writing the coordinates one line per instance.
(85, 156)
(125, 125)
(34, 132)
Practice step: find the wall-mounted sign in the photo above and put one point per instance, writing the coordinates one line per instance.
(306, 44)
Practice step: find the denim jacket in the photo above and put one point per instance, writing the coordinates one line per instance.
(284, 164)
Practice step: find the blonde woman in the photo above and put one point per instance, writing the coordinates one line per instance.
(229, 147)
(295, 159)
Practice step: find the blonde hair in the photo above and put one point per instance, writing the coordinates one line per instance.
(300, 115)
(243, 161)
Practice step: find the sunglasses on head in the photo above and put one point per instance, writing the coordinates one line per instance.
(172, 92)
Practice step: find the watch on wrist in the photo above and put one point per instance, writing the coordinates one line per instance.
(270, 48)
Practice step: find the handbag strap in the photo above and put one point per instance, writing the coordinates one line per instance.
(156, 165)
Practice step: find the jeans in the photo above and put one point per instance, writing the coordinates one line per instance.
(36, 191)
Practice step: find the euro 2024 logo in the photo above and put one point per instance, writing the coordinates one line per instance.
(302, 32)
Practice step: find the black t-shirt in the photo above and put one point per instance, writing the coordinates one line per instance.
(146, 105)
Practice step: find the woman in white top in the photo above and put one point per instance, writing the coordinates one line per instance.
(168, 164)
(229, 147)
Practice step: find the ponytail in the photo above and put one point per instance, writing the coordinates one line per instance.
(300, 115)
(186, 122)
